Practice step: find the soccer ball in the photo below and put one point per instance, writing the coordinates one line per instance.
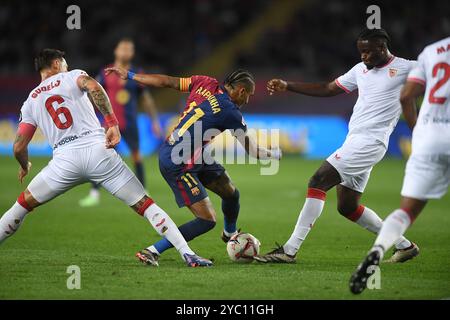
(243, 247)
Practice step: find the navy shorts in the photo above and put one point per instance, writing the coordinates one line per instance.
(188, 184)
(131, 137)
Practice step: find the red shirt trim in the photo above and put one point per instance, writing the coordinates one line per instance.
(341, 86)
(387, 63)
(416, 80)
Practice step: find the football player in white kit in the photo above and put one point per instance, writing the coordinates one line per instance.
(427, 174)
(378, 78)
(61, 106)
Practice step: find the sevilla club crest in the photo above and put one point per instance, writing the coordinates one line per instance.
(392, 72)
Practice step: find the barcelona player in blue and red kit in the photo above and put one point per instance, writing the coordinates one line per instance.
(124, 96)
(210, 106)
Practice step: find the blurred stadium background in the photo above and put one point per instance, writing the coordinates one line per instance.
(304, 40)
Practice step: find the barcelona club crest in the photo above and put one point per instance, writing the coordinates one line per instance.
(392, 72)
(195, 191)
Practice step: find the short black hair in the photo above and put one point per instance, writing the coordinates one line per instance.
(45, 58)
(240, 76)
(125, 39)
(371, 34)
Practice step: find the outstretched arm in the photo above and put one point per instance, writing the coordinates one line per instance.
(99, 97)
(315, 89)
(254, 150)
(151, 80)
(411, 90)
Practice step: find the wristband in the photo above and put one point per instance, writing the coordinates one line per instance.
(130, 75)
(111, 120)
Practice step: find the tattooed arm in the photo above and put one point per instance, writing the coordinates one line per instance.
(99, 97)
(96, 93)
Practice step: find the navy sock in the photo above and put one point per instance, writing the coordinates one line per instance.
(139, 167)
(230, 209)
(189, 230)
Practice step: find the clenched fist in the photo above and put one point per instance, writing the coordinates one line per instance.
(275, 85)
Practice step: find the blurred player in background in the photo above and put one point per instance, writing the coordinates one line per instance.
(427, 174)
(124, 96)
(379, 79)
(213, 106)
(62, 107)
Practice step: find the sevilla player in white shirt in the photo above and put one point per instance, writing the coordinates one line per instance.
(61, 106)
(378, 78)
(427, 174)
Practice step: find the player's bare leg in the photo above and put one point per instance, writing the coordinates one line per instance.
(325, 178)
(205, 220)
(349, 206)
(13, 218)
(392, 229)
(224, 188)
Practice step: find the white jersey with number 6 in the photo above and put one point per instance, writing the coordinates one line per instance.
(63, 112)
(432, 132)
(67, 118)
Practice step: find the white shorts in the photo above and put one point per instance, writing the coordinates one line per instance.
(355, 159)
(71, 167)
(426, 176)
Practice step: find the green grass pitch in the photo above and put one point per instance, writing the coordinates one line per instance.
(102, 241)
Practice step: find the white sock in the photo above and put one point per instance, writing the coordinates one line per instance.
(371, 221)
(311, 210)
(94, 193)
(393, 228)
(11, 220)
(228, 234)
(165, 227)
(153, 249)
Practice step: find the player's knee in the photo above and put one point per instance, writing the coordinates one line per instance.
(203, 210)
(317, 181)
(208, 219)
(211, 218)
(346, 209)
(232, 195)
(209, 224)
(230, 205)
(236, 194)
